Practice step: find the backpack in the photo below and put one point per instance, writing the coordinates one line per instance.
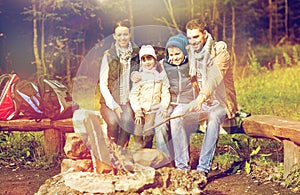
(56, 100)
(7, 103)
(28, 100)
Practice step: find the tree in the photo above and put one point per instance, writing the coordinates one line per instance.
(54, 28)
(173, 24)
(38, 62)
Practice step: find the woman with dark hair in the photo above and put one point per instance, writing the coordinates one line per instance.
(117, 64)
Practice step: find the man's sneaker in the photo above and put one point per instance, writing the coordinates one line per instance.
(202, 179)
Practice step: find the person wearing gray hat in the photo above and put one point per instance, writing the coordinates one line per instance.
(176, 65)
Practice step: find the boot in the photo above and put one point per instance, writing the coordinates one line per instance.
(123, 138)
(148, 140)
(138, 142)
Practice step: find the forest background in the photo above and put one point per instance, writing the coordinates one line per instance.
(53, 36)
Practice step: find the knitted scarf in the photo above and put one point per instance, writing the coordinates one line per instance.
(125, 59)
(200, 60)
(153, 74)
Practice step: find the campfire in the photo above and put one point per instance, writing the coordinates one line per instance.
(97, 165)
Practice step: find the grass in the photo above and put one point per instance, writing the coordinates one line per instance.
(271, 92)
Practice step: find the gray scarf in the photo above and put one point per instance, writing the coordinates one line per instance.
(200, 60)
(125, 59)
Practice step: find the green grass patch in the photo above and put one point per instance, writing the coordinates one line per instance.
(272, 92)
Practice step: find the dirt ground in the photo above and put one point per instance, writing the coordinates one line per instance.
(18, 181)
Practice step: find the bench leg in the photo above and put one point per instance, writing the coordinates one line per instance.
(53, 140)
(291, 156)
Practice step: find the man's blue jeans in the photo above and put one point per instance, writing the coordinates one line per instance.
(181, 129)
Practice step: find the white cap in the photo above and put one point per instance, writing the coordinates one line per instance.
(147, 50)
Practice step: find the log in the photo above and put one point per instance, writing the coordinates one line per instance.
(54, 131)
(23, 124)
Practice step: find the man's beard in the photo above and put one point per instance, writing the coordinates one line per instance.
(200, 48)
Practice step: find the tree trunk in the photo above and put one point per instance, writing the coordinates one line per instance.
(233, 39)
(38, 63)
(286, 19)
(169, 7)
(270, 22)
(43, 45)
(224, 27)
(276, 20)
(192, 8)
(68, 65)
(215, 21)
(131, 16)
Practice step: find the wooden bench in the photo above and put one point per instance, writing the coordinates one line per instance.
(278, 128)
(53, 131)
(257, 126)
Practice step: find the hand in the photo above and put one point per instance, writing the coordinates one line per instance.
(200, 100)
(135, 77)
(193, 106)
(138, 120)
(163, 113)
(118, 112)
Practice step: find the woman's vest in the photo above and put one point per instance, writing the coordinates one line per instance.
(115, 71)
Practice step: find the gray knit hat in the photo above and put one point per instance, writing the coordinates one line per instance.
(179, 41)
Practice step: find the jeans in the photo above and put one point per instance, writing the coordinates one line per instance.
(162, 137)
(181, 129)
(118, 130)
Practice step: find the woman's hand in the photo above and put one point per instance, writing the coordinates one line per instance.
(118, 112)
(138, 120)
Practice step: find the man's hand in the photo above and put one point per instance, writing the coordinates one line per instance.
(193, 106)
(118, 112)
(138, 120)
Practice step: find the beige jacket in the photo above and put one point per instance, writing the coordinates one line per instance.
(150, 93)
(219, 82)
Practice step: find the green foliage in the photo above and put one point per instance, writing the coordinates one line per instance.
(253, 63)
(24, 149)
(276, 65)
(227, 159)
(292, 179)
(287, 59)
(270, 57)
(296, 56)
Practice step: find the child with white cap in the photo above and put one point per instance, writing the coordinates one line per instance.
(149, 97)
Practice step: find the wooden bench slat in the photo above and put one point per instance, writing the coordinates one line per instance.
(273, 127)
(64, 125)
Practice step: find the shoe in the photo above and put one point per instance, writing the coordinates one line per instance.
(203, 179)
